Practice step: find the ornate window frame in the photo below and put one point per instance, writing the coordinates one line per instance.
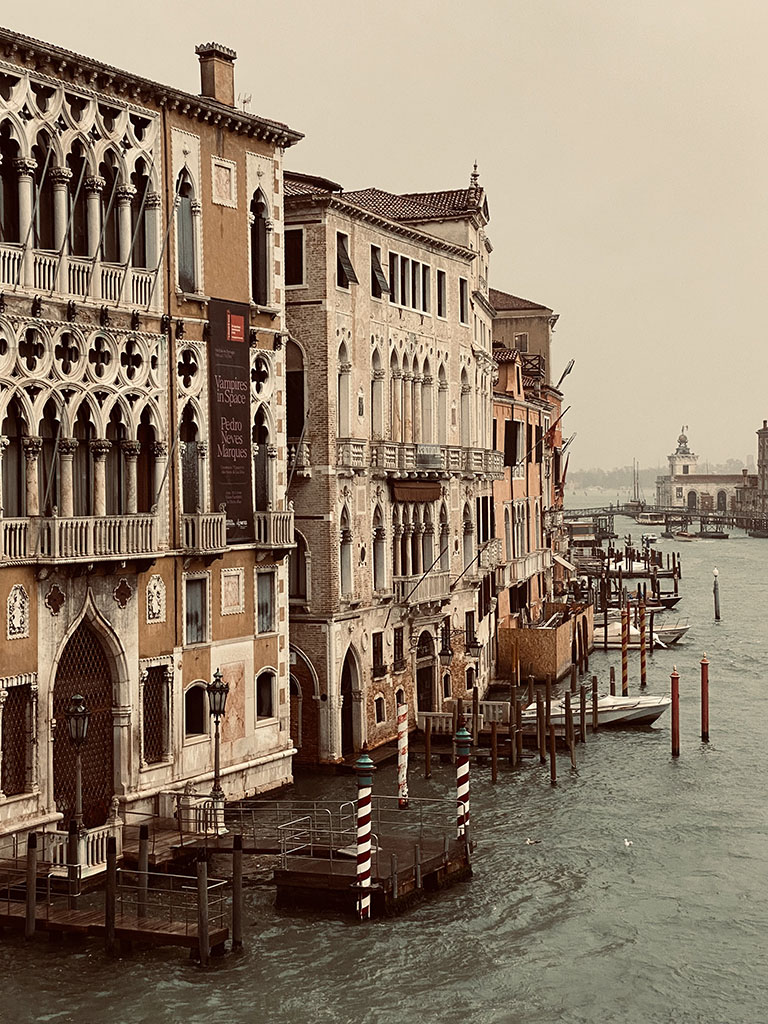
(165, 661)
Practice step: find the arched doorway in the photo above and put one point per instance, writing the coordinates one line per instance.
(425, 672)
(84, 669)
(722, 501)
(692, 499)
(350, 684)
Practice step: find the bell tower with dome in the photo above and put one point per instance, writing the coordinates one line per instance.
(683, 462)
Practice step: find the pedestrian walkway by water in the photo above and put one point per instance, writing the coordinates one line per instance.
(575, 928)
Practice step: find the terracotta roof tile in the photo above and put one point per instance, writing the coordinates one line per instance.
(502, 301)
(387, 204)
(440, 204)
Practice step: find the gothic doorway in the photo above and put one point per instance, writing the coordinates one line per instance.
(425, 672)
(349, 683)
(84, 669)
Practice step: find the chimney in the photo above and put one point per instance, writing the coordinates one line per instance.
(217, 72)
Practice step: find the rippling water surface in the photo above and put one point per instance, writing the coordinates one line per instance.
(576, 928)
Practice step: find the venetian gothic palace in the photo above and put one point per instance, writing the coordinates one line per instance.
(251, 423)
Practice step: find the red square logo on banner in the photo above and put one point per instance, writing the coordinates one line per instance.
(235, 327)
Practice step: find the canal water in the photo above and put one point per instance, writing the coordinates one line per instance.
(576, 927)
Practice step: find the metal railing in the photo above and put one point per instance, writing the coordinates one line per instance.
(168, 899)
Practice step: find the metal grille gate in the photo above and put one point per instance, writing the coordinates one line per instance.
(14, 774)
(84, 669)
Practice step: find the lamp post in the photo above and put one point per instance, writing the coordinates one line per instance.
(77, 724)
(217, 691)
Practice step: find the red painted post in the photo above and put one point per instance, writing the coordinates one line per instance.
(705, 699)
(643, 636)
(675, 713)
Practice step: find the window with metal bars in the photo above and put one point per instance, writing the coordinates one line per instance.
(155, 715)
(399, 660)
(16, 738)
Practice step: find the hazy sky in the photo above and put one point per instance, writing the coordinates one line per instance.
(622, 144)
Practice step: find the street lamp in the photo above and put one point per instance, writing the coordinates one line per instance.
(445, 653)
(77, 723)
(217, 691)
(473, 647)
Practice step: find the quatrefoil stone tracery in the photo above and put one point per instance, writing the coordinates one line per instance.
(187, 368)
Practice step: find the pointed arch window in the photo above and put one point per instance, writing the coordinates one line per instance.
(9, 186)
(185, 234)
(379, 550)
(345, 555)
(259, 249)
(13, 430)
(43, 194)
(190, 462)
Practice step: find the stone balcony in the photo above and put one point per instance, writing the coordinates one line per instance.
(518, 570)
(436, 586)
(274, 529)
(78, 277)
(204, 531)
(78, 538)
(404, 459)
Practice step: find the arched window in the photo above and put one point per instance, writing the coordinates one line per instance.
(297, 569)
(82, 463)
(469, 537)
(78, 215)
(145, 468)
(9, 185)
(265, 695)
(396, 534)
(399, 696)
(405, 544)
(259, 249)
(381, 709)
(377, 396)
(446, 685)
(379, 550)
(342, 392)
(43, 229)
(190, 462)
(186, 258)
(426, 404)
(14, 491)
(140, 181)
(261, 475)
(115, 468)
(508, 534)
(345, 554)
(48, 467)
(406, 409)
(295, 409)
(470, 677)
(427, 540)
(110, 244)
(395, 422)
(416, 532)
(195, 710)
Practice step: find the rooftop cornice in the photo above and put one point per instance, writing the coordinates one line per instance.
(92, 75)
(341, 205)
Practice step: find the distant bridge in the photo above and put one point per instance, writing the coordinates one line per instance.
(676, 515)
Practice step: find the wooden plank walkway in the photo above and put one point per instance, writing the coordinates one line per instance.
(91, 923)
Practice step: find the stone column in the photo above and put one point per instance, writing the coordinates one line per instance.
(416, 411)
(418, 567)
(67, 446)
(99, 449)
(131, 451)
(202, 477)
(396, 534)
(25, 168)
(407, 407)
(159, 453)
(94, 186)
(396, 423)
(3, 696)
(32, 448)
(197, 235)
(124, 197)
(153, 205)
(60, 177)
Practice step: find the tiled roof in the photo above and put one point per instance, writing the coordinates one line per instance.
(387, 204)
(441, 204)
(308, 184)
(502, 301)
(505, 355)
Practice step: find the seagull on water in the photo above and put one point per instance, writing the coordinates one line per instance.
(627, 842)
(531, 842)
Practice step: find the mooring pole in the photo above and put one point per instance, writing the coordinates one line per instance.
(625, 650)
(705, 699)
(594, 704)
(462, 778)
(31, 894)
(675, 678)
(143, 869)
(203, 940)
(716, 593)
(237, 892)
(365, 768)
(110, 896)
(552, 756)
(428, 749)
(494, 751)
(402, 756)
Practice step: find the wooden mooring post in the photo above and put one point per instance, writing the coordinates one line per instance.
(582, 714)
(143, 879)
(552, 756)
(643, 665)
(519, 730)
(110, 897)
(569, 728)
(612, 681)
(428, 749)
(494, 751)
(595, 720)
(675, 679)
(540, 724)
(705, 699)
(585, 644)
(624, 650)
(203, 942)
(31, 893)
(237, 892)
(475, 715)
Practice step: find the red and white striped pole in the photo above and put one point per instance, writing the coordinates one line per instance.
(402, 755)
(463, 741)
(365, 768)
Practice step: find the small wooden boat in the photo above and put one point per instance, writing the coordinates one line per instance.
(614, 711)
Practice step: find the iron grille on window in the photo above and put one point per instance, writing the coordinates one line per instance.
(379, 668)
(155, 715)
(16, 740)
(399, 660)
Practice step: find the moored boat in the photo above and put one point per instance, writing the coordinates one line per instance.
(614, 711)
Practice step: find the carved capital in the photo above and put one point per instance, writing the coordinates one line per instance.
(99, 448)
(25, 166)
(202, 449)
(131, 449)
(95, 184)
(428, 381)
(125, 194)
(197, 208)
(60, 176)
(67, 446)
(153, 201)
(4, 442)
(159, 449)
(271, 451)
(379, 374)
(345, 367)
(32, 447)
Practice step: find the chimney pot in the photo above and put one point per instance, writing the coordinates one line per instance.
(217, 72)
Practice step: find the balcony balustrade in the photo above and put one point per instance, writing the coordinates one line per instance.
(274, 529)
(204, 531)
(436, 586)
(351, 453)
(299, 457)
(518, 570)
(77, 538)
(403, 457)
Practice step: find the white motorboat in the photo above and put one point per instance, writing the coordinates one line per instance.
(663, 635)
(616, 711)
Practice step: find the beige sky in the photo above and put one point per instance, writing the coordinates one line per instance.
(622, 144)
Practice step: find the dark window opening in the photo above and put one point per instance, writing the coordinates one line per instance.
(345, 272)
(294, 256)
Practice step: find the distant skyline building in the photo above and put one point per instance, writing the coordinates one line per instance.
(685, 487)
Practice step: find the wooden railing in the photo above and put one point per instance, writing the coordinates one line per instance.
(204, 531)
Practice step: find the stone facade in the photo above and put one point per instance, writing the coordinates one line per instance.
(391, 457)
(117, 573)
(685, 488)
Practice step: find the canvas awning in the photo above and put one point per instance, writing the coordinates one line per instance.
(416, 490)
(565, 563)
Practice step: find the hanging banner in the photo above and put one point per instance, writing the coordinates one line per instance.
(230, 400)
